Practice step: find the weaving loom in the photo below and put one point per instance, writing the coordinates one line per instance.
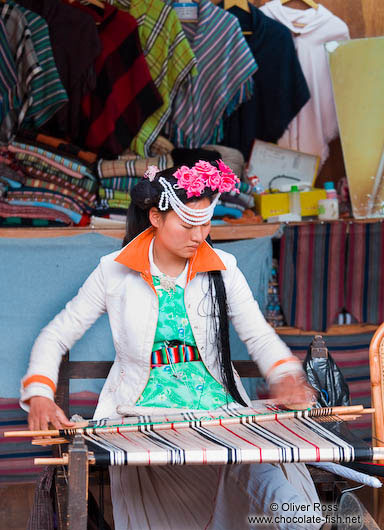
(262, 433)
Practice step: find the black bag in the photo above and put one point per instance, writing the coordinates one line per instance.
(325, 376)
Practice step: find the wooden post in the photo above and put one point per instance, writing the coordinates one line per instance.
(77, 485)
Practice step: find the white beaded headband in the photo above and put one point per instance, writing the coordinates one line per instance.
(194, 180)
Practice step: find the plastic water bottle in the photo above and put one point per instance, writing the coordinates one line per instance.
(330, 190)
(294, 203)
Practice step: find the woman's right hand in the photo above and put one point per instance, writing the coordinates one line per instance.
(43, 411)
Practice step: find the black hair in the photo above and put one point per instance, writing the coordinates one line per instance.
(144, 196)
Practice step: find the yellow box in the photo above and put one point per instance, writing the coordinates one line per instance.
(273, 204)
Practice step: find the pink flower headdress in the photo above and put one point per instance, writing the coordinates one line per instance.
(194, 180)
(205, 175)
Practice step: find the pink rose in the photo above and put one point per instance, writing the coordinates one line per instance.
(213, 181)
(184, 175)
(227, 183)
(196, 186)
(205, 169)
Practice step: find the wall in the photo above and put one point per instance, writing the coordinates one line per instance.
(365, 18)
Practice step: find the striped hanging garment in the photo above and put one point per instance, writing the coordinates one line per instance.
(312, 267)
(365, 266)
(170, 60)
(224, 81)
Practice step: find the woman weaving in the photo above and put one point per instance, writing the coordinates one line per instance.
(168, 295)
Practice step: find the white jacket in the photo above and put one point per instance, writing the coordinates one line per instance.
(122, 286)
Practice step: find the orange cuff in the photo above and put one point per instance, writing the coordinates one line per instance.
(40, 379)
(282, 361)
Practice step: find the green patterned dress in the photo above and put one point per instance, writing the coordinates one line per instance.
(184, 384)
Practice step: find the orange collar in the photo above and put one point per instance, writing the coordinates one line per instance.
(136, 256)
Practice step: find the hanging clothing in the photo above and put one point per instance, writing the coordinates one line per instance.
(311, 274)
(280, 89)
(125, 94)
(9, 100)
(47, 92)
(27, 65)
(169, 57)
(316, 124)
(364, 296)
(224, 81)
(75, 45)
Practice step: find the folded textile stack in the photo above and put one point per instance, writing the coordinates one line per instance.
(44, 183)
(121, 175)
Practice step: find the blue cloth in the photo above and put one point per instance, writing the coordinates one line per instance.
(38, 277)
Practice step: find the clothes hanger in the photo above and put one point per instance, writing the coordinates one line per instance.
(97, 3)
(310, 3)
(242, 4)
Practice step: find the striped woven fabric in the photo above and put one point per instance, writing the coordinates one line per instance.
(125, 94)
(120, 183)
(32, 165)
(174, 354)
(27, 65)
(230, 436)
(47, 91)
(365, 266)
(351, 354)
(169, 57)
(8, 76)
(311, 274)
(42, 196)
(57, 143)
(135, 167)
(216, 91)
(33, 212)
(70, 166)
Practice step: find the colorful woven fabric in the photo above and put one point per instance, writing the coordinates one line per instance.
(8, 76)
(175, 354)
(351, 354)
(65, 164)
(125, 94)
(120, 183)
(365, 265)
(132, 167)
(31, 165)
(33, 212)
(311, 275)
(225, 69)
(76, 45)
(47, 92)
(58, 143)
(27, 65)
(169, 57)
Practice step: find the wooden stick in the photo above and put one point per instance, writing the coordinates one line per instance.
(50, 441)
(249, 418)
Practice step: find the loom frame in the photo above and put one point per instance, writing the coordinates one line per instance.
(71, 489)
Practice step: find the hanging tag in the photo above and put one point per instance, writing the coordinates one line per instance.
(187, 11)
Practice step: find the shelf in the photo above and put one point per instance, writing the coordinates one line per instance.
(218, 233)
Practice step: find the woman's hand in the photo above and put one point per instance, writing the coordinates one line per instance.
(43, 411)
(293, 392)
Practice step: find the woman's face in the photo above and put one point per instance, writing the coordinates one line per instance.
(177, 237)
